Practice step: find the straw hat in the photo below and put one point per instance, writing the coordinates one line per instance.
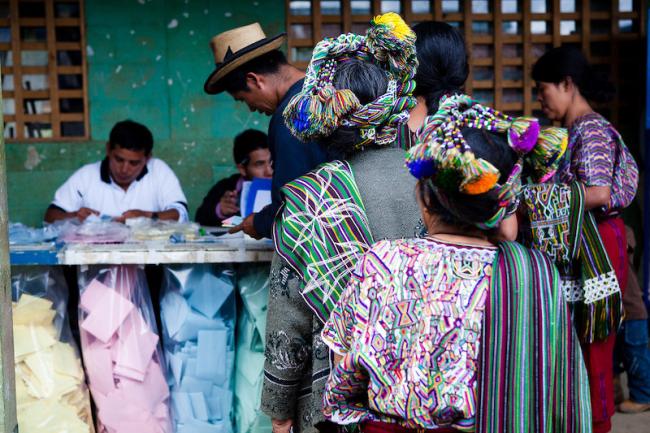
(235, 47)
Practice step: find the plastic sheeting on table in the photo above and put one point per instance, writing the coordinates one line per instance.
(21, 234)
(94, 230)
(253, 286)
(121, 353)
(197, 309)
(51, 393)
(146, 229)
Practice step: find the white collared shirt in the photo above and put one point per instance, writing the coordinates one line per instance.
(156, 189)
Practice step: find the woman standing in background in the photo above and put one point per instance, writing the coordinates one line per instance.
(601, 162)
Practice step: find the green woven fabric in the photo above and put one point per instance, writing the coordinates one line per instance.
(321, 232)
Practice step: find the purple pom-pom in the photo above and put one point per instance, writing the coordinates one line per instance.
(301, 119)
(421, 168)
(525, 142)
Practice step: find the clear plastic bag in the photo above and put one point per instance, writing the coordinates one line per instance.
(21, 234)
(51, 392)
(198, 311)
(94, 230)
(121, 351)
(146, 229)
(253, 287)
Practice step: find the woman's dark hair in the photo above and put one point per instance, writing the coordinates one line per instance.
(247, 142)
(367, 81)
(463, 210)
(558, 64)
(442, 62)
(131, 135)
(268, 63)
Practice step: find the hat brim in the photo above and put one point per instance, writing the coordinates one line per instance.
(213, 84)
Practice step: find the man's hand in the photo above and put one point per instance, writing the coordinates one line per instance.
(247, 227)
(228, 204)
(133, 213)
(282, 426)
(84, 213)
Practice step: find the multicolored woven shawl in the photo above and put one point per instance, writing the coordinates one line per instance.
(532, 376)
(322, 231)
(560, 227)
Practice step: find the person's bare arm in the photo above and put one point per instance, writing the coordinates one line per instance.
(247, 227)
(53, 214)
(597, 196)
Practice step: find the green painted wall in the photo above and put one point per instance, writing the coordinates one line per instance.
(147, 61)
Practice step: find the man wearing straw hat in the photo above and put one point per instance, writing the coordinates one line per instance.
(252, 69)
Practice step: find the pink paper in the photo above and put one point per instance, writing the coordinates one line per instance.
(110, 312)
(126, 372)
(118, 407)
(162, 412)
(149, 393)
(125, 279)
(119, 346)
(135, 350)
(138, 427)
(134, 322)
(99, 367)
(92, 295)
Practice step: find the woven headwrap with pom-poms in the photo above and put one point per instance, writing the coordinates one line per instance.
(320, 109)
(443, 155)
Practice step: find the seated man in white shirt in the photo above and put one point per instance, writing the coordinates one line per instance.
(128, 183)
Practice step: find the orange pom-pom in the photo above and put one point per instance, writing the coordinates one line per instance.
(482, 184)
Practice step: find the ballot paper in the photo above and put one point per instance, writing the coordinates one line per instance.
(121, 353)
(197, 312)
(51, 395)
(253, 288)
(254, 196)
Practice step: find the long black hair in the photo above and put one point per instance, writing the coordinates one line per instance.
(442, 59)
(558, 64)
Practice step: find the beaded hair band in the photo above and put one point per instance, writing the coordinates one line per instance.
(319, 109)
(444, 156)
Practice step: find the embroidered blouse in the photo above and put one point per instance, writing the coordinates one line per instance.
(408, 326)
(598, 157)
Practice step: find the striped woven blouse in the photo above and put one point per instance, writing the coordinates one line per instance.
(409, 326)
(599, 157)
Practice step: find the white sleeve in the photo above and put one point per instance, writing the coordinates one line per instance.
(170, 192)
(70, 195)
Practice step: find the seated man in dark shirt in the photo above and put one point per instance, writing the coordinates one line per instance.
(253, 159)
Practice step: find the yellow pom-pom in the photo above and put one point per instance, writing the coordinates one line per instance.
(482, 184)
(395, 23)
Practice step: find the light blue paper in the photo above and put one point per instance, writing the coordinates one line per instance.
(182, 406)
(208, 294)
(199, 321)
(176, 366)
(225, 397)
(173, 311)
(204, 427)
(194, 322)
(192, 384)
(211, 356)
(199, 406)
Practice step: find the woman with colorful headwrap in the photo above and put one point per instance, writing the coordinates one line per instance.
(356, 94)
(453, 332)
(600, 163)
